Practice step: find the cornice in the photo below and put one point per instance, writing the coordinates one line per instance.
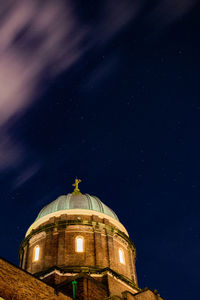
(77, 212)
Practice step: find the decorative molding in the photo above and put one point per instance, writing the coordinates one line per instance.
(37, 237)
(120, 240)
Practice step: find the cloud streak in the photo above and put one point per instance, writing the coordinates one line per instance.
(41, 39)
(33, 38)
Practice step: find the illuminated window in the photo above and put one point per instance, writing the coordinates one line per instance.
(36, 253)
(79, 244)
(121, 256)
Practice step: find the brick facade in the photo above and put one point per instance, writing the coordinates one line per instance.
(57, 246)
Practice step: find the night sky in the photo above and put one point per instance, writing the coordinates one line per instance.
(107, 91)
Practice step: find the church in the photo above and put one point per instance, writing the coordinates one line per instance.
(76, 249)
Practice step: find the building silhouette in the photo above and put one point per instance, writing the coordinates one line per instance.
(75, 249)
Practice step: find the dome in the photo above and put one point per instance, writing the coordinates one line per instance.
(77, 201)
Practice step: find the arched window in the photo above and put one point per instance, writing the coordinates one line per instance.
(79, 244)
(121, 256)
(36, 253)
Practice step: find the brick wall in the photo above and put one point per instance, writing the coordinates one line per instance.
(15, 284)
(57, 247)
(87, 288)
(116, 287)
(107, 282)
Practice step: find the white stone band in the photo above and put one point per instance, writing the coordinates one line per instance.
(77, 212)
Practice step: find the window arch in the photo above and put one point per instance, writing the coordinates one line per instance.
(36, 253)
(121, 256)
(79, 244)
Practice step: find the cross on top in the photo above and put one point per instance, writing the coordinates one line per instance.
(76, 183)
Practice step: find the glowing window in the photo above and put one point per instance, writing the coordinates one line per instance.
(79, 244)
(36, 253)
(121, 256)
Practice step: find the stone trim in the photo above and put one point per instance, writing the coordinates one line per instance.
(87, 212)
(58, 273)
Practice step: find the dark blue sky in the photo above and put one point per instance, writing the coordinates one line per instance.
(109, 93)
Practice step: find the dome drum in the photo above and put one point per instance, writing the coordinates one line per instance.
(57, 244)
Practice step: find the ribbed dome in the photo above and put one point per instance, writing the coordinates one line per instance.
(76, 201)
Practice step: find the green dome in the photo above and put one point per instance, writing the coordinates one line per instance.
(76, 201)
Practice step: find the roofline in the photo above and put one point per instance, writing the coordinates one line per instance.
(92, 271)
(24, 271)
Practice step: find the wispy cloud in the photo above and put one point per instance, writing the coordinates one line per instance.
(41, 39)
(34, 38)
(38, 40)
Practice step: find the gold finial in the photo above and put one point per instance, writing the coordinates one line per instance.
(76, 183)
